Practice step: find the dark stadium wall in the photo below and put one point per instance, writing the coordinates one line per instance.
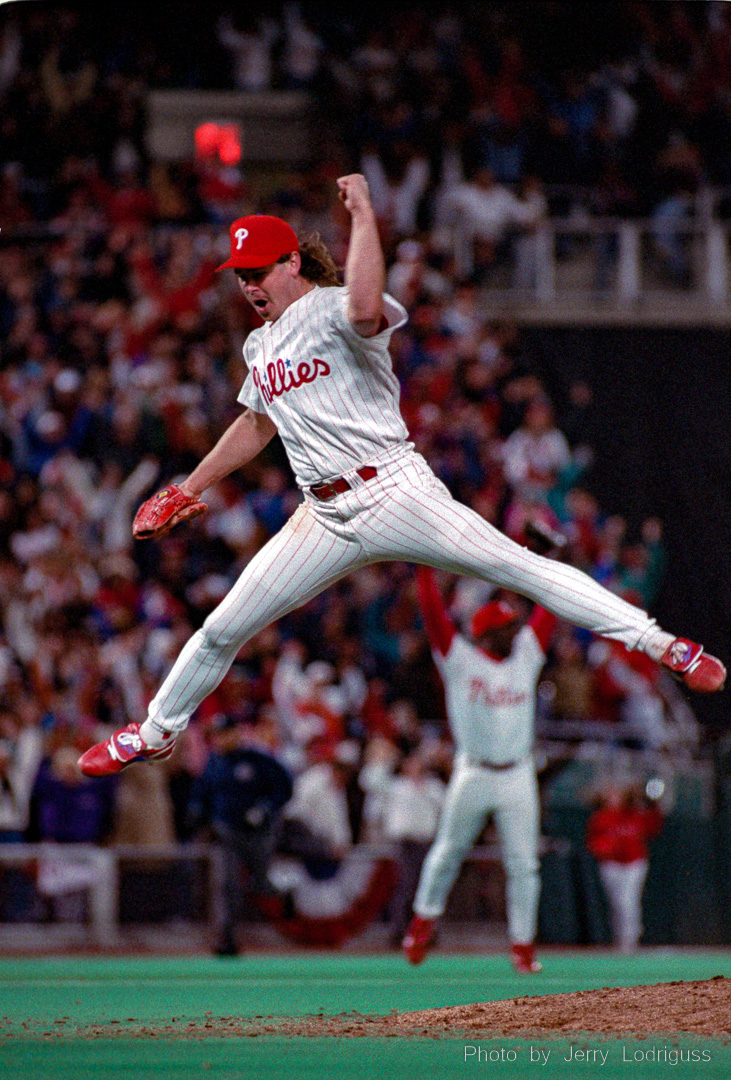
(683, 902)
(660, 426)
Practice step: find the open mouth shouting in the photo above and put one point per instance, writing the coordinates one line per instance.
(271, 289)
(261, 304)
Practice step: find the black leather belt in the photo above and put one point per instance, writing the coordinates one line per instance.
(323, 492)
(494, 765)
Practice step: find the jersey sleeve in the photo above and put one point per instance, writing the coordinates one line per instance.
(249, 392)
(531, 651)
(394, 313)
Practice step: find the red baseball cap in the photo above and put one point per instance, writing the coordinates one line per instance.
(491, 617)
(259, 240)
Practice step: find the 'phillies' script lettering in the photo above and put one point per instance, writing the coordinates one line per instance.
(480, 692)
(282, 376)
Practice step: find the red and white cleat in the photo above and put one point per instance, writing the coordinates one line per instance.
(696, 668)
(418, 939)
(121, 749)
(524, 959)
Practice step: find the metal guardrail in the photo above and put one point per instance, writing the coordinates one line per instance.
(587, 269)
(610, 263)
(59, 868)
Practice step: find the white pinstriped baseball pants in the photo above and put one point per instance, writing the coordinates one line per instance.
(473, 794)
(405, 514)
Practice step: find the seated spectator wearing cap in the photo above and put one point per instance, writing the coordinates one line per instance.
(490, 685)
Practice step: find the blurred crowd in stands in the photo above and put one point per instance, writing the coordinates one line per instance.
(634, 107)
(120, 362)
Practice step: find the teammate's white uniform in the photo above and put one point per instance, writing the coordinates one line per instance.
(334, 399)
(491, 710)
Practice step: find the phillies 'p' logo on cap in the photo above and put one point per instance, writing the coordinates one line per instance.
(259, 240)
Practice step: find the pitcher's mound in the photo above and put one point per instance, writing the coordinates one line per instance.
(697, 1008)
(676, 1008)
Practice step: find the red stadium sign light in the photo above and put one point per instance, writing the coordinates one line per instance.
(229, 144)
(218, 140)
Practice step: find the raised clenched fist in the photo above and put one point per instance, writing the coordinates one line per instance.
(354, 192)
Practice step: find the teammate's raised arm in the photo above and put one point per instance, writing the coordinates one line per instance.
(543, 624)
(439, 627)
(365, 266)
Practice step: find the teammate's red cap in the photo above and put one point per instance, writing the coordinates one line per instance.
(259, 240)
(491, 617)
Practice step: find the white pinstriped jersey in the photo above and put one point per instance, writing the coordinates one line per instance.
(331, 393)
(491, 703)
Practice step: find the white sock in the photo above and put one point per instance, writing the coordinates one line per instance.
(154, 735)
(656, 644)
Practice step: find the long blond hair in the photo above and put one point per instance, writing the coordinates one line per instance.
(318, 265)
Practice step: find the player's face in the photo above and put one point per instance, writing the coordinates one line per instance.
(271, 289)
(500, 641)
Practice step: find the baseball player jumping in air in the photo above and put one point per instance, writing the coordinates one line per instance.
(490, 689)
(320, 375)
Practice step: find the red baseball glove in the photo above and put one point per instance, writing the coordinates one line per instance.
(165, 509)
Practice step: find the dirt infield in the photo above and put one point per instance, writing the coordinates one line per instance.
(673, 1008)
(698, 1008)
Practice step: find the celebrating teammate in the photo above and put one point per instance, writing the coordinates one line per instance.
(320, 374)
(491, 695)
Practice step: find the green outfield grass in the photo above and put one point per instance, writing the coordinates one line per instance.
(35, 993)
